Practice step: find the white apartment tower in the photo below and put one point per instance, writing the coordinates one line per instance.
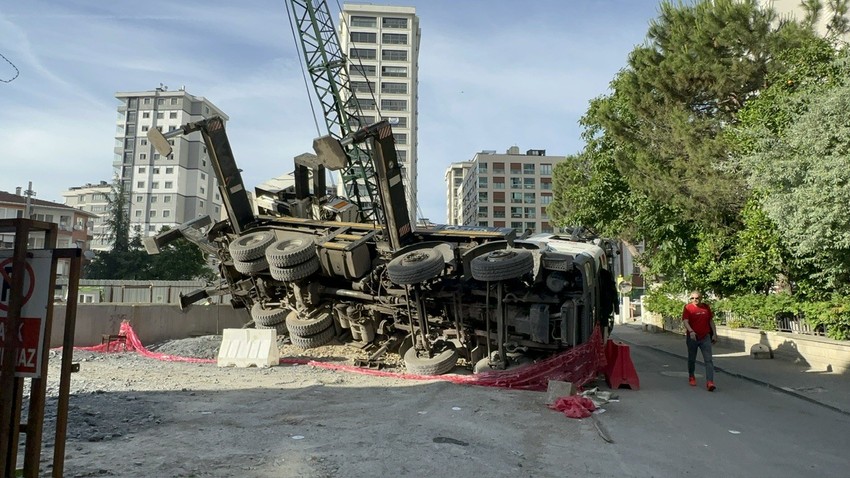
(508, 190)
(165, 191)
(454, 182)
(382, 46)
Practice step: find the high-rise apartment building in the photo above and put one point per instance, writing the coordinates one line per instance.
(382, 45)
(454, 182)
(93, 198)
(508, 190)
(165, 191)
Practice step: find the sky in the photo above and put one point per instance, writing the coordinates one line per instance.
(493, 74)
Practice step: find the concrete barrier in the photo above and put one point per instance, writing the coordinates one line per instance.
(248, 348)
(152, 322)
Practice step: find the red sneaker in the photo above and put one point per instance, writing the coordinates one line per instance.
(710, 386)
(692, 381)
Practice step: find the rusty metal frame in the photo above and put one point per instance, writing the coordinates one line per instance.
(11, 387)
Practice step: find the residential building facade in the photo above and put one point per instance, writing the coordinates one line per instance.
(74, 231)
(93, 198)
(454, 182)
(509, 190)
(382, 46)
(164, 191)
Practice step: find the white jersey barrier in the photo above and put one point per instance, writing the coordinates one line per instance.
(248, 348)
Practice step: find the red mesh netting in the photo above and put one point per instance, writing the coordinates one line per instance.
(578, 365)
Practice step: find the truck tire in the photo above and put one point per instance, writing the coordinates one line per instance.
(290, 251)
(439, 364)
(415, 266)
(251, 267)
(502, 265)
(315, 340)
(279, 328)
(251, 246)
(299, 271)
(309, 326)
(268, 317)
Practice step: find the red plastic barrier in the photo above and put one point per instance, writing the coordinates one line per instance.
(578, 365)
(620, 370)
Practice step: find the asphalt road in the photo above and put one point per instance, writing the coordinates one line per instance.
(668, 428)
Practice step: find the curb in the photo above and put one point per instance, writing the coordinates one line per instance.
(749, 379)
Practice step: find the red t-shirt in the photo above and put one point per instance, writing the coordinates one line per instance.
(699, 316)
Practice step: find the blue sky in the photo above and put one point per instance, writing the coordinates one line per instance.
(493, 74)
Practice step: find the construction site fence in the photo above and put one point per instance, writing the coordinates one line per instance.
(136, 291)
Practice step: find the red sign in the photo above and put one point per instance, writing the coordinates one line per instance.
(28, 339)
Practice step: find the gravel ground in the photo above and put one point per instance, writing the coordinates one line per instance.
(131, 415)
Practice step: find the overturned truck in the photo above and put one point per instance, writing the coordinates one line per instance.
(304, 264)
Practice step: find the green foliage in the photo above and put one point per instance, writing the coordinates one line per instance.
(833, 315)
(661, 302)
(760, 311)
(118, 220)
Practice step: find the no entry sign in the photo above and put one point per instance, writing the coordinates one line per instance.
(36, 297)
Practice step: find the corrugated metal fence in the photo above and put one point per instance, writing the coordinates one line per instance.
(141, 292)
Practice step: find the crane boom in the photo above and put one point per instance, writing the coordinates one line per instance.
(326, 65)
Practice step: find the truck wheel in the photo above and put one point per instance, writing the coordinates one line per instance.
(251, 246)
(268, 317)
(309, 326)
(251, 267)
(279, 328)
(502, 265)
(439, 364)
(300, 271)
(415, 266)
(315, 340)
(291, 251)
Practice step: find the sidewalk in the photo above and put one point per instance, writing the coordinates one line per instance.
(831, 390)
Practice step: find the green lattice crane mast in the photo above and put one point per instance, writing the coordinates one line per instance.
(326, 65)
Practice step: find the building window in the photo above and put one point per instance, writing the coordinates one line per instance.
(155, 185)
(203, 191)
(145, 128)
(390, 22)
(546, 183)
(144, 142)
(364, 37)
(362, 53)
(530, 198)
(172, 115)
(140, 184)
(358, 21)
(498, 168)
(363, 70)
(498, 197)
(530, 213)
(483, 224)
(400, 138)
(482, 196)
(203, 177)
(394, 38)
(546, 169)
(516, 168)
(402, 121)
(143, 156)
(516, 198)
(156, 170)
(516, 183)
(392, 87)
(160, 101)
(528, 169)
(482, 211)
(545, 199)
(169, 170)
(394, 105)
(153, 213)
(169, 184)
(393, 55)
(499, 212)
(166, 198)
(139, 198)
(146, 114)
(138, 213)
(482, 168)
(153, 199)
(172, 128)
(367, 104)
(394, 71)
(482, 181)
(516, 225)
(160, 115)
(528, 183)
(200, 204)
(401, 155)
(499, 183)
(362, 86)
(141, 170)
(166, 213)
(147, 101)
(173, 101)
(516, 213)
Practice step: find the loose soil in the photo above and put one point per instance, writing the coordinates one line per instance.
(135, 416)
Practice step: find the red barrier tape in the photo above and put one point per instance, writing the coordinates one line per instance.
(578, 365)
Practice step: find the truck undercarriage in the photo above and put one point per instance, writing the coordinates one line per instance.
(433, 296)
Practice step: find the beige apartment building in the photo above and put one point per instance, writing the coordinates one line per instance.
(165, 191)
(93, 198)
(382, 46)
(509, 190)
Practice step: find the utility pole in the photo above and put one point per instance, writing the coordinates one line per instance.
(29, 193)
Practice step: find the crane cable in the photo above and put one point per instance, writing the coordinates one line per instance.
(17, 71)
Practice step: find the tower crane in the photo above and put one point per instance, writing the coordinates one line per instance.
(326, 63)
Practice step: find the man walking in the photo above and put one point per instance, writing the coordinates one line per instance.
(699, 326)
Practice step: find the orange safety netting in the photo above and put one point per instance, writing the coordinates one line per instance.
(578, 365)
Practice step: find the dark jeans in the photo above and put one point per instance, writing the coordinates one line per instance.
(705, 346)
